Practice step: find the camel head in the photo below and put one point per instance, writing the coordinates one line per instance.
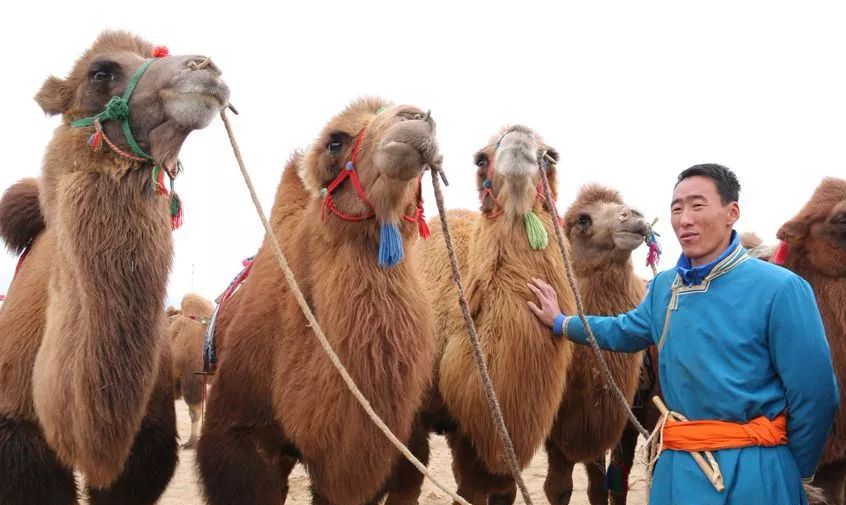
(196, 307)
(818, 232)
(385, 148)
(508, 173)
(601, 228)
(174, 95)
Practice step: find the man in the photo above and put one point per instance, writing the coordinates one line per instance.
(741, 349)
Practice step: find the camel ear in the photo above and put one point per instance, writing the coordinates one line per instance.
(791, 231)
(55, 96)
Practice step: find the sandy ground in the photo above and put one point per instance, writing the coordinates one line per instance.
(183, 488)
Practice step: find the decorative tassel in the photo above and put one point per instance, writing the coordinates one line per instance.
(390, 246)
(617, 479)
(780, 255)
(422, 227)
(95, 141)
(176, 217)
(654, 254)
(538, 237)
(160, 52)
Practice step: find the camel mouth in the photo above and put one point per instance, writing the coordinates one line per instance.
(627, 240)
(407, 149)
(194, 105)
(517, 153)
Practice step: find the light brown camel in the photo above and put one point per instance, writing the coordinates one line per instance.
(813, 245)
(84, 356)
(276, 395)
(186, 329)
(602, 231)
(527, 364)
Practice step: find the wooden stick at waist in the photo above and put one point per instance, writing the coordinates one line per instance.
(713, 474)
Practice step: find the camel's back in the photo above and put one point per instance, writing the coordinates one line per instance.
(22, 320)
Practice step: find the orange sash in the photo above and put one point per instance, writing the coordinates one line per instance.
(716, 435)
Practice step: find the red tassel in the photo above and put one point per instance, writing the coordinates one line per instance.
(160, 52)
(780, 255)
(95, 141)
(422, 227)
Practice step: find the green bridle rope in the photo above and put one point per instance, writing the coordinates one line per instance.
(117, 109)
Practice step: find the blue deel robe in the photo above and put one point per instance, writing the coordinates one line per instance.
(737, 339)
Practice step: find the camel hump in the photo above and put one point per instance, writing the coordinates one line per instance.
(21, 219)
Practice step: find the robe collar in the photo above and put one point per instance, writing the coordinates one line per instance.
(691, 275)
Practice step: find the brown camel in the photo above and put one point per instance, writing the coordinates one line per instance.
(346, 212)
(85, 367)
(602, 231)
(527, 364)
(186, 330)
(814, 246)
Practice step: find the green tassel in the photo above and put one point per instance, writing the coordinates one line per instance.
(538, 237)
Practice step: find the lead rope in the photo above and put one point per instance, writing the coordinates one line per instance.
(318, 331)
(487, 384)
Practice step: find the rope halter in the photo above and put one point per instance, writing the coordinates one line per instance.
(117, 109)
(349, 172)
(488, 189)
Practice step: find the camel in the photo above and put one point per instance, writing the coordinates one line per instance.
(602, 231)
(276, 397)
(86, 366)
(186, 330)
(498, 258)
(813, 245)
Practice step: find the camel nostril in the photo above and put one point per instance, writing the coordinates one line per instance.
(637, 213)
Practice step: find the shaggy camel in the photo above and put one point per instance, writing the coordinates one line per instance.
(813, 245)
(186, 332)
(498, 256)
(602, 231)
(276, 396)
(85, 359)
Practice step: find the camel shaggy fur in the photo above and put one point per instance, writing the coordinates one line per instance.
(526, 363)
(186, 329)
(816, 250)
(602, 231)
(84, 356)
(276, 396)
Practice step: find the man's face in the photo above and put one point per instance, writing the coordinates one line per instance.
(702, 223)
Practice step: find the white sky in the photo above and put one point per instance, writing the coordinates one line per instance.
(630, 93)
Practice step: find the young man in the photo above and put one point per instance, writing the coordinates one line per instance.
(741, 350)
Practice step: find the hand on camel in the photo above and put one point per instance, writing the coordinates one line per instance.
(547, 299)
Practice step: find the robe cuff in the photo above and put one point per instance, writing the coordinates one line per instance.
(559, 327)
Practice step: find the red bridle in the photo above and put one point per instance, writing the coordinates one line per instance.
(349, 172)
(488, 192)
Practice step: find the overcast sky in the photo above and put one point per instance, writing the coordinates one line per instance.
(630, 93)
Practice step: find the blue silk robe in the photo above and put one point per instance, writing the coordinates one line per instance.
(737, 339)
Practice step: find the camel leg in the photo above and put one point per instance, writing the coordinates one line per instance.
(623, 457)
(30, 473)
(196, 413)
(558, 485)
(406, 482)
(597, 494)
(831, 478)
(504, 497)
(153, 457)
(474, 481)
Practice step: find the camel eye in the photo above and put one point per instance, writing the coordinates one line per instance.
(335, 147)
(100, 76)
(584, 220)
(482, 161)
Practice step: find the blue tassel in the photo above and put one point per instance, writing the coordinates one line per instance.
(390, 246)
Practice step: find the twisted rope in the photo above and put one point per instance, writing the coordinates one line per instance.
(496, 412)
(318, 331)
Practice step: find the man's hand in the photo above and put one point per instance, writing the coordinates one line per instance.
(547, 299)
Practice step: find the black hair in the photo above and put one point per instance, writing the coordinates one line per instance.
(727, 184)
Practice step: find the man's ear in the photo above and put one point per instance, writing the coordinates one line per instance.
(55, 96)
(734, 213)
